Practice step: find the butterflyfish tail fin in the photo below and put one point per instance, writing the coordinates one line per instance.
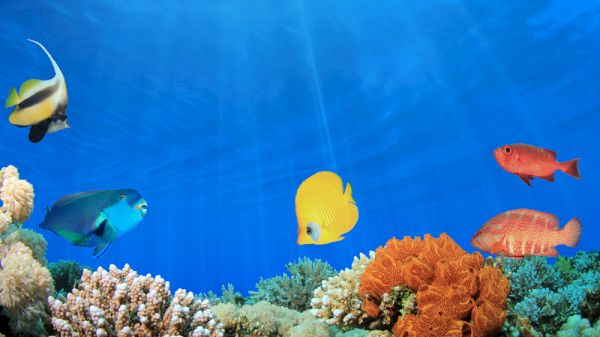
(571, 233)
(13, 98)
(54, 65)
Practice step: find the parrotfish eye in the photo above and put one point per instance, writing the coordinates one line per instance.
(508, 149)
(122, 196)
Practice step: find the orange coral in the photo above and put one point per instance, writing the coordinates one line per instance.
(456, 296)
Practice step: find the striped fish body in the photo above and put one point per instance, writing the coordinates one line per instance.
(524, 232)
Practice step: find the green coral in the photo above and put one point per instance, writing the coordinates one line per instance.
(543, 296)
(293, 291)
(590, 306)
(228, 295)
(578, 327)
(66, 274)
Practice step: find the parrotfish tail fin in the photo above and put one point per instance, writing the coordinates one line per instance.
(571, 233)
(54, 65)
(571, 168)
(13, 98)
(100, 249)
(348, 193)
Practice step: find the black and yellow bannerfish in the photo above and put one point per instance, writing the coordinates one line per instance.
(324, 209)
(40, 104)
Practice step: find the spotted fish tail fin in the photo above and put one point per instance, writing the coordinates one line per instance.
(571, 233)
(571, 168)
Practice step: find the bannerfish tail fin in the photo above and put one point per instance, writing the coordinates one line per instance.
(571, 168)
(100, 249)
(13, 98)
(571, 233)
(54, 65)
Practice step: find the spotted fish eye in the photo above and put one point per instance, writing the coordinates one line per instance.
(507, 149)
(122, 196)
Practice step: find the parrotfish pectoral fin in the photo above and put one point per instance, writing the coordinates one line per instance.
(13, 98)
(526, 178)
(549, 177)
(100, 249)
(27, 86)
(99, 231)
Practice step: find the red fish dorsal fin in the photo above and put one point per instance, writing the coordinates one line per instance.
(537, 219)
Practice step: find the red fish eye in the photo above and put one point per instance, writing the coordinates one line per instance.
(507, 149)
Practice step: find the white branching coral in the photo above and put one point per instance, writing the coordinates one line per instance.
(119, 302)
(337, 300)
(16, 195)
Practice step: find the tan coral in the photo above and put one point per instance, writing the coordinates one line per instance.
(337, 300)
(122, 301)
(16, 195)
(456, 296)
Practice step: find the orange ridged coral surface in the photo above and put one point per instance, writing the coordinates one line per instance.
(456, 294)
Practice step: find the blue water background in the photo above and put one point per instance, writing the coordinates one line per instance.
(216, 111)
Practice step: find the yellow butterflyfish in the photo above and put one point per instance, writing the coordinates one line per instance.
(40, 104)
(325, 211)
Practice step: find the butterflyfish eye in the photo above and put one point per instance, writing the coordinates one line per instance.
(507, 149)
(122, 196)
(308, 230)
(314, 231)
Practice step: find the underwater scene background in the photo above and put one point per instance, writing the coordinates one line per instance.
(217, 111)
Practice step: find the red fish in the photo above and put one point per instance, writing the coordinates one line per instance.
(527, 162)
(525, 232)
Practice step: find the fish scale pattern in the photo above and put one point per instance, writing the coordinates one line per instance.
(456, 294)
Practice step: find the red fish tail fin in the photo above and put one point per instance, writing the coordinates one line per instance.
(571, 168)
(571, 233)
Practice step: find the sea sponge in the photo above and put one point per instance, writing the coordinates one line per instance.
(268, 320)
(337, 300)
(16, 195)
(121, 302)
(24, 286)
(456, 296)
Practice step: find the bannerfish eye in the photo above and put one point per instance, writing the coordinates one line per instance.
(122, 196)
(507, 149)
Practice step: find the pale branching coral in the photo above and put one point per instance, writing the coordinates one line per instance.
(31, 239)
(16, 195)
(296, 290)
(122, 303)
(268, 320)
(24, 286)
(578, 327)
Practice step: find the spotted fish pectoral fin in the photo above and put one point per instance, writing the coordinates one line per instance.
(526, 178)
(13, 98)
(38, 131)
(100, 249)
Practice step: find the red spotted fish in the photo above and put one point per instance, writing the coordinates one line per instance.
(527, 162)
(526, 232)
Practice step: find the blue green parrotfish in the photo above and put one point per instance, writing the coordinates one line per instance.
(95, 218)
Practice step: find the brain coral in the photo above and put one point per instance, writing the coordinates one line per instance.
(456, 294)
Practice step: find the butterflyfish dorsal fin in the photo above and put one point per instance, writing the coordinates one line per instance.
(27, 86)
(326, 179)
(348, 193)
(13, 98)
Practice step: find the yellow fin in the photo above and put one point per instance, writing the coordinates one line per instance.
(27, 85)
(13, 98)
(348, 193)
(326, 178)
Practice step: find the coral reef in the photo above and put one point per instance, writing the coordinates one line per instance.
(122, 303)
(294, 291)
(24, 281)
(590, 306)
(228, 295)
(268, 320)
(456, 294)
(66, 275)
(578, 327)
(337, 300)
(544, 296)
